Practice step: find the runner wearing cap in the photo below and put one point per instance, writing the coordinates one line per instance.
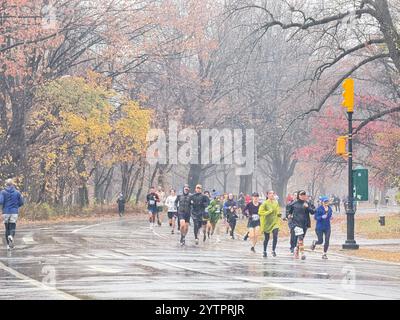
(251, 211)
(323, 215)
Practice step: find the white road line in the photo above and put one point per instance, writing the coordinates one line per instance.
(104, 269)
(275, 285)
(28, 240)
(96, 225)
(36, 283)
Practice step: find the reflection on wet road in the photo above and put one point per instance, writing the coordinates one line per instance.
(124, 259)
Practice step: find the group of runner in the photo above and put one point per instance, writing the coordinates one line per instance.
(205, 210)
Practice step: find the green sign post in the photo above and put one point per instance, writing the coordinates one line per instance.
(360, 184)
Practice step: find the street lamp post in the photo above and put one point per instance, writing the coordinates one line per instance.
(350, 242)
(348, 102)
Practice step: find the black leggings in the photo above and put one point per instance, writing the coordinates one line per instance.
(10, 230)
(197, 224)
(232, 225)
(321, 240)
(274, 239)
(293, 240)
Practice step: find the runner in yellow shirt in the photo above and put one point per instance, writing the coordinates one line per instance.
(270, 215)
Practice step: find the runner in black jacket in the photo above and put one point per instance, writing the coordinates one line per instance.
(199, 202)
(182, 202)
(299, 212)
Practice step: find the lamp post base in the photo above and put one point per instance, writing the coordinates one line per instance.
(350, 245)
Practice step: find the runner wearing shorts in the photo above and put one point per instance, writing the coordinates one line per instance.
(151, 201)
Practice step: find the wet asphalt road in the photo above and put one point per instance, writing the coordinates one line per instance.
(123, 259)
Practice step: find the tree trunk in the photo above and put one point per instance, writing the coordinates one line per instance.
(15, 144)
(280, 187)
(246, 184)
(83, 196)
(194, 176)
(139, 192)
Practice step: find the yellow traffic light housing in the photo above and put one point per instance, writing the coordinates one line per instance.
(348, 94)
(341, 145)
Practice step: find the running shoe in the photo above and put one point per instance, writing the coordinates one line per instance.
(197, 241)
(296, 253)
(252, 249)
(303, 257)
(246, 237)
(291, 250)
(172, 231)
(11, 241)
(273, 253)
(264, 254)
(8, 247)
(313, 245)
(324, 256)
(204, 237)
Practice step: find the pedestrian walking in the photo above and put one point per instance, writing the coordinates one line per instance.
(10, 200)
(323, 216)
(121, 204)
(376, 202)
(387, 198)
(270, 215)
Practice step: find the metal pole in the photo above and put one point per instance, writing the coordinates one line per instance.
(350, 242)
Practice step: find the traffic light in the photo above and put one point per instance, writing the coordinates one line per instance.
(341, 145)
(348, 94)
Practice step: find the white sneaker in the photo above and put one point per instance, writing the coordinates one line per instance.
(11, 241)
(8, 247)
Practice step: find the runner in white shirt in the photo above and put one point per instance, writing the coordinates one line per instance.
(172, 210)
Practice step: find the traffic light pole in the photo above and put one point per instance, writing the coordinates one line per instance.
(350, 242)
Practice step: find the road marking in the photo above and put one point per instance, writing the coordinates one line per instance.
(275, 285)
(96, 225)
(36, 283)
(104, 269)
(28, 240)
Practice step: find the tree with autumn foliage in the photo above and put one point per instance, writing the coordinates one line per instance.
(79, 125)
